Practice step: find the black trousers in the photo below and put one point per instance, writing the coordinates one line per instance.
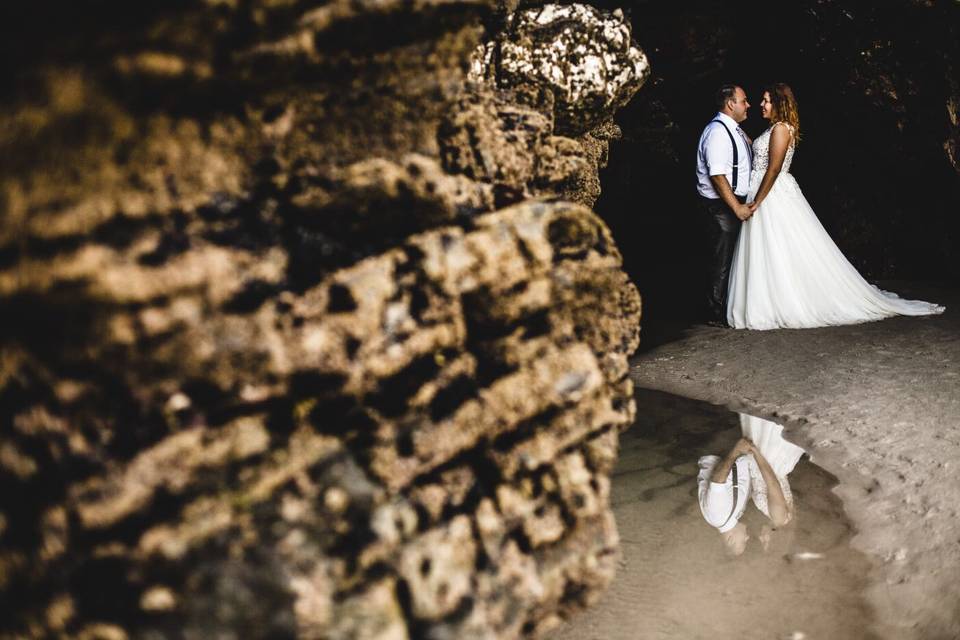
(722, 230)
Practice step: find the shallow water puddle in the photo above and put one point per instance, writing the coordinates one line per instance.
(676, 577)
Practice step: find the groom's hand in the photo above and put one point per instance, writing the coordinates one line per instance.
(743, 447)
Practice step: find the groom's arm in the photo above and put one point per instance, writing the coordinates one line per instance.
(722, 470)
(722, 186)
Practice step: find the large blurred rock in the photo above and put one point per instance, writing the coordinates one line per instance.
(278, 357)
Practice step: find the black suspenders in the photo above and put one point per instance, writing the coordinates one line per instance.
(736, 156)
(736, 483)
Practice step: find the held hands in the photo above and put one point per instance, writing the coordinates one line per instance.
(744, 211)
(743, 447)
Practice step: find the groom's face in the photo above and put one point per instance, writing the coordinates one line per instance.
(739, 105)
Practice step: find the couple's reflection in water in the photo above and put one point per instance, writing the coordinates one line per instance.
(676, 578)
(754, 471)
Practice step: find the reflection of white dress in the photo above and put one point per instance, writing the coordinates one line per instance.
(781, 454)
(788, 273)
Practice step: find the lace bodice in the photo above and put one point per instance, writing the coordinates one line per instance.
(761, 152)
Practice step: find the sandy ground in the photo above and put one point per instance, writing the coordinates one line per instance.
(878, 406)
(675, 578)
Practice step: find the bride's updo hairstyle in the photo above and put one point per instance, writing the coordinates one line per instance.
(784, 107)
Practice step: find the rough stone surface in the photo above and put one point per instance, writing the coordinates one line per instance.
(282, 357)
(537, 119)
(584, 56)
(505, 139)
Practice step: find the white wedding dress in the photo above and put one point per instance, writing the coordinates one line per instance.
(788, 273)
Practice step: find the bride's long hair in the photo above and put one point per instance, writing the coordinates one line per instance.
(784, 107)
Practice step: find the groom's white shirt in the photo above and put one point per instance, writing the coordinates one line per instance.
(715, 157)
(716, 498)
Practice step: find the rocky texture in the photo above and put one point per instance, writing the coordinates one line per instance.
(289, 350)
(505, 139)
(584, 56)
(568, 69)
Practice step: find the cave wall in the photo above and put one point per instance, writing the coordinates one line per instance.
(308, 327)
(877, 88)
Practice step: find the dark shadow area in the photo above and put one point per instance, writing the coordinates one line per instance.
(873, 83)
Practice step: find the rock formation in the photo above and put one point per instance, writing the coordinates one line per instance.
(300, 336)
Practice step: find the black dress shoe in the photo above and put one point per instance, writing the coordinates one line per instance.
(720, 324)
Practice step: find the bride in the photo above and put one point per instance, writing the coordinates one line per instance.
(786, 271)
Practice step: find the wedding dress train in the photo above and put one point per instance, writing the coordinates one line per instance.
(788, 273)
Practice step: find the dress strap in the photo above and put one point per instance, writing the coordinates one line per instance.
(784, 123)
(736, 491)
(789, 128)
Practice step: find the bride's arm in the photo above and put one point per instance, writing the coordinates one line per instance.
(776, 501)
(779, 143)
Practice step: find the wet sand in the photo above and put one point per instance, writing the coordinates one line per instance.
(878, 406)
(676, 579)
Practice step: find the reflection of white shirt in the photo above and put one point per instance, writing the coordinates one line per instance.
(716, 499)
(715, 157)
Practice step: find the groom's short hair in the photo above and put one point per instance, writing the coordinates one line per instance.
(724, 93)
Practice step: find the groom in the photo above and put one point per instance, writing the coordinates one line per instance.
(724, 156)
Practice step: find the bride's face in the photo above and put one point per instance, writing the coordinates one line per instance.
(766, 107)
